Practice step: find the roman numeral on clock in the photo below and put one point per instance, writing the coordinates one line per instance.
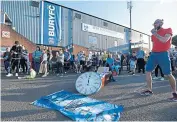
(96, 83)
(79, 85)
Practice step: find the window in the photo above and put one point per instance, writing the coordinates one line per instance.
(34, 4)
(92, 40)
(78, 16)
(105, 24)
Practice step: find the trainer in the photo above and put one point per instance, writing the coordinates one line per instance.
(161, 39)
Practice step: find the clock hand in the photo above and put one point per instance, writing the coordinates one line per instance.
(88, 79)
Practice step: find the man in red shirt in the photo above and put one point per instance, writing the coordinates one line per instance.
(161, 39)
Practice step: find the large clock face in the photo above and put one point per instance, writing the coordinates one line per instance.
(88, 83)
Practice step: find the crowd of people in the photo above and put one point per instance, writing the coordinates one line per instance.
(16, 58)
(46, 61)
(161, 58)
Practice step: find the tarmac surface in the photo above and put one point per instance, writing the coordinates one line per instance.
(16, 96)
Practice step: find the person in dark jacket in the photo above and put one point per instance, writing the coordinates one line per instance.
(127, 61)
(122, 60)
(16, 52)
(95, 61)
(72, 60)
(140, 61)
(49, 60)
(67, 56)
(7, 59)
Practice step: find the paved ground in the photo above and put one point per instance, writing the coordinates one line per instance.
(16, 96)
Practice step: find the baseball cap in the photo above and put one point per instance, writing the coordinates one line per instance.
(158, 21)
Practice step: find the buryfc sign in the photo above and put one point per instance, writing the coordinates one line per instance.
(50, 24)
(6, 34)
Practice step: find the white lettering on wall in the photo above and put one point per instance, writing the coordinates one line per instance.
(5, 34)
(102, 31)
(51, 29)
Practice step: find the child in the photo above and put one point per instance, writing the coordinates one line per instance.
(116, 65)
(133, 61)
(31, 76)
(110, 63)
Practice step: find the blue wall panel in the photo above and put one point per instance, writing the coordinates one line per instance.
(2, 18)
(70, 34)
(25, 18)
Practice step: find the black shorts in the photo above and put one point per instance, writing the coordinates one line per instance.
(82, 62)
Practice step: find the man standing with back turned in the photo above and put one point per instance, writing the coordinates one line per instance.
(161, 39)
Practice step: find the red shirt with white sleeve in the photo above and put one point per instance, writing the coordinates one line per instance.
(159, 46)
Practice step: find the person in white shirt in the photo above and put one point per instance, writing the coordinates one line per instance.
(90, 56)
(43, 65)
(82, 60)
(60, 62)
(77, 65)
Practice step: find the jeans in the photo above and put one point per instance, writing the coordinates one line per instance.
(36, 66)
(15, 63)
(141, 65)
(116, 67)
(7, 66)
(128, 66)
(60, 67)
(24, 65)
(104, 63)
(49, 65)
(122, 65)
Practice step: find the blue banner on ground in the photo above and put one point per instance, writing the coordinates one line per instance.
(51, 23)
(79, 107)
